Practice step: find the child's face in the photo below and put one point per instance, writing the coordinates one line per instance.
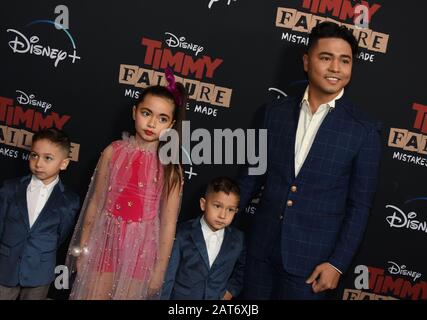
(152, 116)
(47, 159)
(219, 209)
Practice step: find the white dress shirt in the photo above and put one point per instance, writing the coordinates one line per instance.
(37, 195)
(213, 240)
(308, 125)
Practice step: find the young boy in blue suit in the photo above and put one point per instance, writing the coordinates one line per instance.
(208, 255)
(36, 215)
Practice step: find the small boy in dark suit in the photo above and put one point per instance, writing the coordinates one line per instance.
(36, 215)
(207, 260)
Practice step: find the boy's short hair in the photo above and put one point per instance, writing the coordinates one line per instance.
(328, 29)
(223, 184)
(55, 136)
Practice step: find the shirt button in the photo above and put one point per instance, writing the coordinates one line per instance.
(289, 203)
(281, 217)
(294, 188)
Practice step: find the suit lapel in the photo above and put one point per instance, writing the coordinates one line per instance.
(321, 137)
(21, 196)
(295, 117)
(199, 241)
(53, 198)
(226, 247)
(288, 137)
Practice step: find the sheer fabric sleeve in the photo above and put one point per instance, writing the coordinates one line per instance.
(169, 210)
(91, 209)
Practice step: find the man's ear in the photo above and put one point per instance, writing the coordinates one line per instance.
(202, 204)
(305, 62)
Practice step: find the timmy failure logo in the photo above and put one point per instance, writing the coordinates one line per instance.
(190, 62)
(24, 43)
(297, 20)
(391, 282)
(412, 145)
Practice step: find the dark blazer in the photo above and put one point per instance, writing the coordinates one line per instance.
(320, 215)
(28, 255)
(189, 275)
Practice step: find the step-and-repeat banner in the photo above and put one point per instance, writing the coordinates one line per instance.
(80, 65)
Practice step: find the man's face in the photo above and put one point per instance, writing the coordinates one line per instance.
(328, 65)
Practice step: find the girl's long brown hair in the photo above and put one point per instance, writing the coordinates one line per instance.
(173, 172)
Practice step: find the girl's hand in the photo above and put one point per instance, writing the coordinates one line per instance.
(155, 285)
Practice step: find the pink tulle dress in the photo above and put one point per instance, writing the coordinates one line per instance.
(121, 211)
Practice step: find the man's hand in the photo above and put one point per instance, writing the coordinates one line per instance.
(324, 277)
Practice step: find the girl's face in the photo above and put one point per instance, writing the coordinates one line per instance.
(152, 116)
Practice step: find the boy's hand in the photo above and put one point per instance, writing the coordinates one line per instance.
(227, 295)
(324, 277)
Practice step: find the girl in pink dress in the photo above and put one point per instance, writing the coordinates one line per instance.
(123, 239)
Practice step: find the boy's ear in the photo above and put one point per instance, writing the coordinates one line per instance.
(202, 204)
(64, 163)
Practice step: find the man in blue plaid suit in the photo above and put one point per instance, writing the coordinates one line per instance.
(322, 166)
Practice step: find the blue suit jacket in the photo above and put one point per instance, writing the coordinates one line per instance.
(324, 218)
(189, 275)
(28, 255)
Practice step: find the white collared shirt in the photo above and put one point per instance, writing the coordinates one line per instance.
(213, 240)
(37, 195)
(308, 125)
